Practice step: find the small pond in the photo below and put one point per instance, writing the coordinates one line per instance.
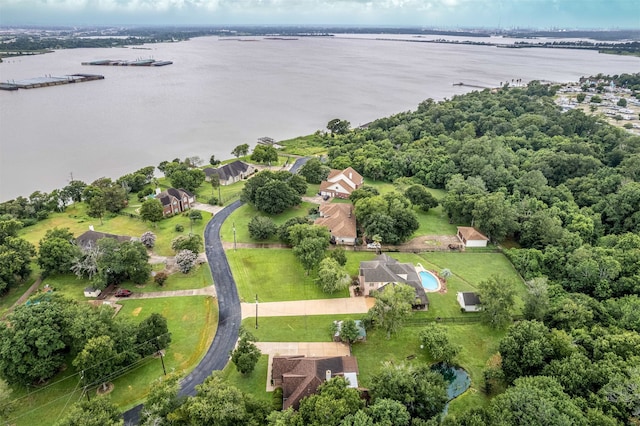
(457, 380)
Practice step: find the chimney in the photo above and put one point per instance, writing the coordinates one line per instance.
(350, 175)
(327, 375)
(90, 227)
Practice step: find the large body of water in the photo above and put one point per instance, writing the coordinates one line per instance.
(219, 94)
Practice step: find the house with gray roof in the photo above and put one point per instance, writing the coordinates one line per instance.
(231, 172)
(469, 301)
(90, 238)
(384, 270)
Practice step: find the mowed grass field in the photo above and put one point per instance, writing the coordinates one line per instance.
(78, 222)
(192, 322)
(274, 275)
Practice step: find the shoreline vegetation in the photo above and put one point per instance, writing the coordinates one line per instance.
(19, 42)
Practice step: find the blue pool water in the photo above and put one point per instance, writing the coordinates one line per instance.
(429, 282)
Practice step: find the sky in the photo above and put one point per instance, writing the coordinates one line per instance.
(542, 14)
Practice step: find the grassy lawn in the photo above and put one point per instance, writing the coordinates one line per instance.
(228, 193)
(244, 214)
(478, 341)
(14, 293)
(308, 328)
(254, 383)
(199, 277)
(76, 219)
(274, 275)
(433, 222)
(304, 145)
(192, 322)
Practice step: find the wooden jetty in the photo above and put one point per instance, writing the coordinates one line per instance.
(46, 81)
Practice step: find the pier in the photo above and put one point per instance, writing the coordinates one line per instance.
(46, 81)
(134, 63)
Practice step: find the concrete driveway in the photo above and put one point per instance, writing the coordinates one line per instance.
(347, 305)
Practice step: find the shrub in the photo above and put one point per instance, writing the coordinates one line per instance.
(179, 228)
(160, 278)
(187, 242)
(261, 228)
(186, 260)
(213, 201)
(148, 239)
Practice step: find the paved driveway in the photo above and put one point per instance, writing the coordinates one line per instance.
(347, 305)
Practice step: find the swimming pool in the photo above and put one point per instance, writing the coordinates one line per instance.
(429, 281)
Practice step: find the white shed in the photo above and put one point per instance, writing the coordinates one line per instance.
(471, 237)
(469, 301)
(92, 292)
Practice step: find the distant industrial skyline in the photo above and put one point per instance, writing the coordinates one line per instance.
(542, 14)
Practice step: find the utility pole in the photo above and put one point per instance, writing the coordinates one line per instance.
(161, 355)
(234, 239)
(256, 311)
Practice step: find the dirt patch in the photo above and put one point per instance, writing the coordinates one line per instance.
(104, 390)
(136, 311)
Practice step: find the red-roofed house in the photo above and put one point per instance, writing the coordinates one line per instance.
(471, 237)
(341, 183)
(300, 376)
(340, 220)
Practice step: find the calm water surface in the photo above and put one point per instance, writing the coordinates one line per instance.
(219, 94)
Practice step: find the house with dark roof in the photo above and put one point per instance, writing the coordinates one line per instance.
(231, 172)
(175, 201)
(340, 220)
(471, 237)
(341, 183)
(384, 270)
(469, 301)
(299, 376)
(90, 238)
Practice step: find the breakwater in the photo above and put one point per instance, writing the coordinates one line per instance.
(134, 63)
(49, 80)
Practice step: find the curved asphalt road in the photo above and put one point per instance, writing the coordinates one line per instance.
(229, 312)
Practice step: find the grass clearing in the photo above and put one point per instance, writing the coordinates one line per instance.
(78, 222)
(192, 322)
(305, 145)
(254, 383)
(199, 277)
(308, 328)
(241, 217)
(274, 275)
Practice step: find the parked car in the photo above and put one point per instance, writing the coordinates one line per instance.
(123, 292)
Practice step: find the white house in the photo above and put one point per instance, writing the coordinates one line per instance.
(469, 301)
(471, 237)
(341, 183)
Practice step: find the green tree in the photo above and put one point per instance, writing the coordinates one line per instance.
(261, 228)
(299, 232)
(420, 390)
(389, 412)
(213, 160)
(152, 211)
(74, 190)
(331, 276)
(162, 400)
(333, 401)
(310, 251)
(98, 411)
(192, 242)
(338, 127)
(497, 295)
(419, 196)
(240, 150)
(218, 403)
(246, 354)
(9, 228)
(392, 306)
(33, 346)
(118, 262)
(97, 207)
(97, 361)
(284, 229)
(6, 404)
(15, 261)
(435, 341)
(495, 216)
(264, 154)
(536, 301)
(314, 171)
(535, 401)
(152, 334)
(349, 331)
(525, 349)
(57, 250)
(275, 197)
(580, 97)
(339, 254)
(189, 179)
(622, 102)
